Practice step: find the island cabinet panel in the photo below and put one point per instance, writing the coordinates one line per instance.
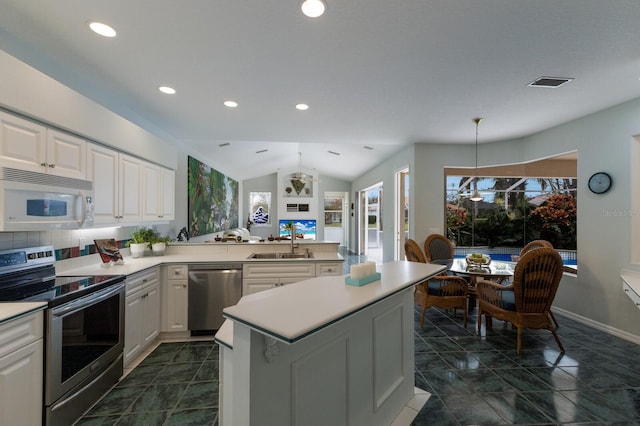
(322, 352)
(356, 372)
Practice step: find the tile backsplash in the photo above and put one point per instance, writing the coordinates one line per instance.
(67, 243)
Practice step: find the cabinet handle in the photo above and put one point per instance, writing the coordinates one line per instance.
(626, 290)
(53, 166)
(43, 164)
(184, 286)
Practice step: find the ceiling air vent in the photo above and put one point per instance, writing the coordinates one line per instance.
(550, 82)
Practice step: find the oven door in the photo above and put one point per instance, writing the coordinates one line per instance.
(83, 337)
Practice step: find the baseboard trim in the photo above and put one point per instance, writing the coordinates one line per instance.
(599, 326)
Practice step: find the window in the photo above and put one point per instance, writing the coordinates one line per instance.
(513, 211)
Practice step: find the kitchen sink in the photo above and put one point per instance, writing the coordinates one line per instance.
(280, 256)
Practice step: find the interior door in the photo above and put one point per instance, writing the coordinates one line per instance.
(402, 213)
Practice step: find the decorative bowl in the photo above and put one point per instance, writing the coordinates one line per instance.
(478, 259)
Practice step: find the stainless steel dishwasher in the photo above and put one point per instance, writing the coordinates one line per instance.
(212, 287)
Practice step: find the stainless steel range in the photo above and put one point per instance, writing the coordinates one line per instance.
(84, 329)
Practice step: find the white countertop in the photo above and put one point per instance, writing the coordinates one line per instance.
(181, 254)
(291, 312)
(11, 310)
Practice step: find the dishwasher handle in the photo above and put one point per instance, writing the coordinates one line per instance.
(215, 266)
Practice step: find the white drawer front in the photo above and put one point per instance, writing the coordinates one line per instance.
(20, 332)
(323, 269)
(142, 279)
(177, 272)
(279, 270)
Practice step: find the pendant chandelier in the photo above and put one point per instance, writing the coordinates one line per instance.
(476, 195)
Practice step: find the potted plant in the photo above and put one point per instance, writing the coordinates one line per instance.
(140, 241)
(159, 244)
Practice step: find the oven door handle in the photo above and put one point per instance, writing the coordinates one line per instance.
(89, 300)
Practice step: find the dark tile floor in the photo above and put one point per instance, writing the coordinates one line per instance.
(474, 379)
(174, 385)
(480, 379)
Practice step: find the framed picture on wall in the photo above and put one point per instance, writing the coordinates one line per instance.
(260, 208)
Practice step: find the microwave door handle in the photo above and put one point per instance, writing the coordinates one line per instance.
(84, 210)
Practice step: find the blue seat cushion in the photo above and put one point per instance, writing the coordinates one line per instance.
(508, 300)
(433, 287)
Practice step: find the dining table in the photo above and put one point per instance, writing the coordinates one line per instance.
(496, 270)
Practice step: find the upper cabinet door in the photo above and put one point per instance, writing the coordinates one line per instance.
(151, 191)
(26, 145)
(158, 193)
(130, 182)
(102, 170)
(66, 155)
(22, 144)
(168, 190)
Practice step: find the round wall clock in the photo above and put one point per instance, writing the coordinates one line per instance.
(600, 182)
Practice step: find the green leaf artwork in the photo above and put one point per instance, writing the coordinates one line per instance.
(212, 199)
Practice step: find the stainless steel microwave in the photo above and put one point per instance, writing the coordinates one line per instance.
(31, 201)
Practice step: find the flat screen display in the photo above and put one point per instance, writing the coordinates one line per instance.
(305, 228)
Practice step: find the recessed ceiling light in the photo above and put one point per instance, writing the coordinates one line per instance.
(302, 107)
(230, 104)
(167, 90)
(313, 8)
(102, 29)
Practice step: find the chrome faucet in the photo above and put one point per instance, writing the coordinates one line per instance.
(293, 237)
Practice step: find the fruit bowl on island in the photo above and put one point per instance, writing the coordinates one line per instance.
(478, 259)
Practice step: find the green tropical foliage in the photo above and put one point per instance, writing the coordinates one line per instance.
(212, 199)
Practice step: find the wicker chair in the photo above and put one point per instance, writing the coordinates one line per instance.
(534, 245)
(527, 302)
(442, 291)
(438, 247)
(413, 252)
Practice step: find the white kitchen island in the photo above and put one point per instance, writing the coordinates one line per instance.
(320, 352)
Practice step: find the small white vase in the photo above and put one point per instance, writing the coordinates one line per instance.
(158, 248)
(137, 249)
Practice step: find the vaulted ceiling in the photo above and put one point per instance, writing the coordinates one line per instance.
(376, 74)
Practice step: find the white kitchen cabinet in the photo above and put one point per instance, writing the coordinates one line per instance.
(158, 193)
(142, 312)
(259, 276)
(116, 181)
(26, 145)
(21, 370)
(176, 299)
